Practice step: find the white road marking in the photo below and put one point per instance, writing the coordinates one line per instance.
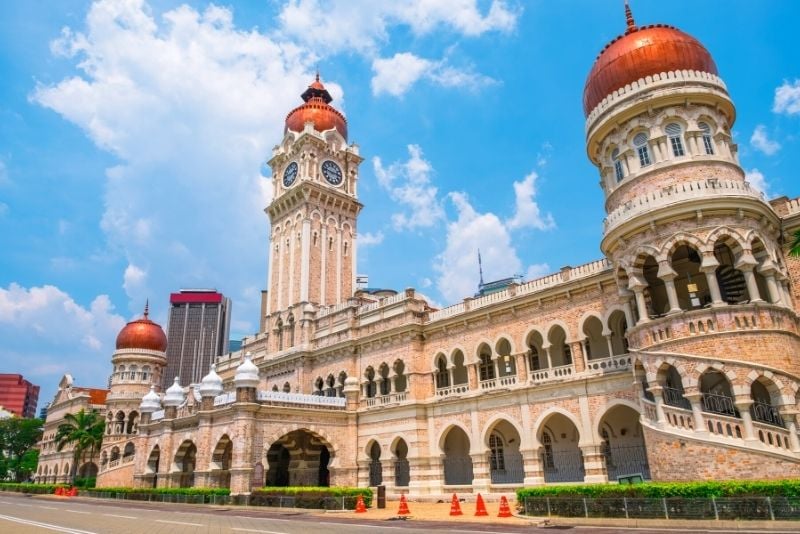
(78, 512)
(255, 530)
(57, 528)
(122, 516)
(179, 523)
(49, 507)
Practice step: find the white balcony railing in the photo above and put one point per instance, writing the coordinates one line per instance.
(553, 373)
(457, 389)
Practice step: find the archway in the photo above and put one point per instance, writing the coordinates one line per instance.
(88, 470)
(597, 347)
(673, 387)
(623, 443)
(618, 324)
(128, 452)
(506, 363)
(717, 394)
(152, 465)
(766, 397)
(457, 461)
(221, 460)
(375, 466)
(460, 373)
(505, 460)
(185, 459)
(690, 283)
(731, 281)
(562, 459)
(537, 359)
(560, 353)
(401, 466)
(133, 423)
(299, 458)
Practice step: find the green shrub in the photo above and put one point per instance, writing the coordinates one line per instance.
(26, 487)
(690, 490)
(163, 491)
(88, 482)
(310, 497)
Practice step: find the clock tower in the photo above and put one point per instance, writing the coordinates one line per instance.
(312, 257)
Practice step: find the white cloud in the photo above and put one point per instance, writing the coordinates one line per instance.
(46, 334)
(457, 265)
(761, 141)
(537, 270)
(757, 180)
(527, 213)
(369, 239)
(787, 98)
(133, 280)
(409, 185)
(362, 25)
(397, 74)
(191, 105)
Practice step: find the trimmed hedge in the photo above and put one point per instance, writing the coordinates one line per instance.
(310, 497)
(85, 483)
(26, 487)
(164, 491)
(689, 490)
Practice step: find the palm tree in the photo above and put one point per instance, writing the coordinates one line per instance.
(84, 431)
(794, 248)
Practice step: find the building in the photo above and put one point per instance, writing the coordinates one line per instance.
(54, 465)
(197, 332)
(18, 395)
(673, 357)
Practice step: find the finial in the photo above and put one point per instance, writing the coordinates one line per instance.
(317, 73)
(629, 19)
(146, 308)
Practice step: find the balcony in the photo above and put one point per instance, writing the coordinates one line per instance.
(457, 389)
(552, 373)
(609, 365)
(383, 400)
(500, 382)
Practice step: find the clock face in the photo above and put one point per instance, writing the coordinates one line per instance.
(290, 174)
(332, 172)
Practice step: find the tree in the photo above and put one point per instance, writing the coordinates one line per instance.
(84, 431)
(794, 247)
(17, 439)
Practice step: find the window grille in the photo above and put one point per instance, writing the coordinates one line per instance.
(640, 142)
(496, 459)
(674, 132)
(618, 170)
(486, 367)
(707, 142)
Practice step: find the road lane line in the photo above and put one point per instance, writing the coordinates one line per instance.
(78, 512)
(57, 528)
(122, 516)
(179, 523)
(256, 530)
(49, 507)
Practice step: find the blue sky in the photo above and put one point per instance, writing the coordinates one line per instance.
(133, 135)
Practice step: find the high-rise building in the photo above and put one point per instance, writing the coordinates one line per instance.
(197, 332)
(18, 396)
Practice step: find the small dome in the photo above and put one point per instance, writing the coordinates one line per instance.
(641, 52)
(211, 385)
(246, 374)
(174, 396)
(317, 110)
(151, 402)
(142, 334)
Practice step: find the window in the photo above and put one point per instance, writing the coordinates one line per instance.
(707, 142)
(547, 442)
(640, 142)
(486, 367)
(497, 460)
(674, 133)
(533, 359)
(618, 170)
(442, 374)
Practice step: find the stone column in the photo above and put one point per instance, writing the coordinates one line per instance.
(577, 357)
(768, 272)
(668, 275)
(546, 350)
(532, 464)
(637, 286)
(480, 472)
(746, 264)
(610, 345)
(695, 398)
(522, 368)
(709, 268)
(594, 464)
(472, 371)
(789, 415)
(658, 397)
(743, 405)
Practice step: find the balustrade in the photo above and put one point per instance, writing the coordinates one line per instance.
(606, 365)
(674, 397)
(561, 372)
(456, 389)
(766, 413)
(719, 404)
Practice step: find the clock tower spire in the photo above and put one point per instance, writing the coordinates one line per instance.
(312, 257)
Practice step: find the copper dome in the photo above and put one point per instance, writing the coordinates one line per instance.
(142, 334)
(642, 52)
(317, 110)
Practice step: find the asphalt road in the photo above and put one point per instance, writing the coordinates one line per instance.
(23, 514)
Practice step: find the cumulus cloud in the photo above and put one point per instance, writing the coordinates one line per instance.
(757, 180)
(190, 105)
(133, 279)
(409, 185)
(787, 98)
(362, 25)
(396, 75)
(47, 334)
(761, 141)
(527, 213)
(369, 239)
(537, 270)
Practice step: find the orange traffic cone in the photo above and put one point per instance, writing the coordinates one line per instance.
(403, 510)
(480, 507)
(360, 507)
(455, 507)
(505, 510)
(59, 489)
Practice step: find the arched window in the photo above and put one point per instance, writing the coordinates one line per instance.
(442, 374)
(287, 388)
(145, 373)
(318, 384)
(675, 140)
(275, 388)
(619, 172)
(547, 443)
(640, 142)
(708, 144)
(340, 386)
(330, 390)
(132, 372)
(486, 367)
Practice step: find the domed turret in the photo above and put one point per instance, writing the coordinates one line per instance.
(246, 374)
(641, 52)
(174, 396)
(151, 402)
(317, 110)
(142, 334)
(211, 385)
